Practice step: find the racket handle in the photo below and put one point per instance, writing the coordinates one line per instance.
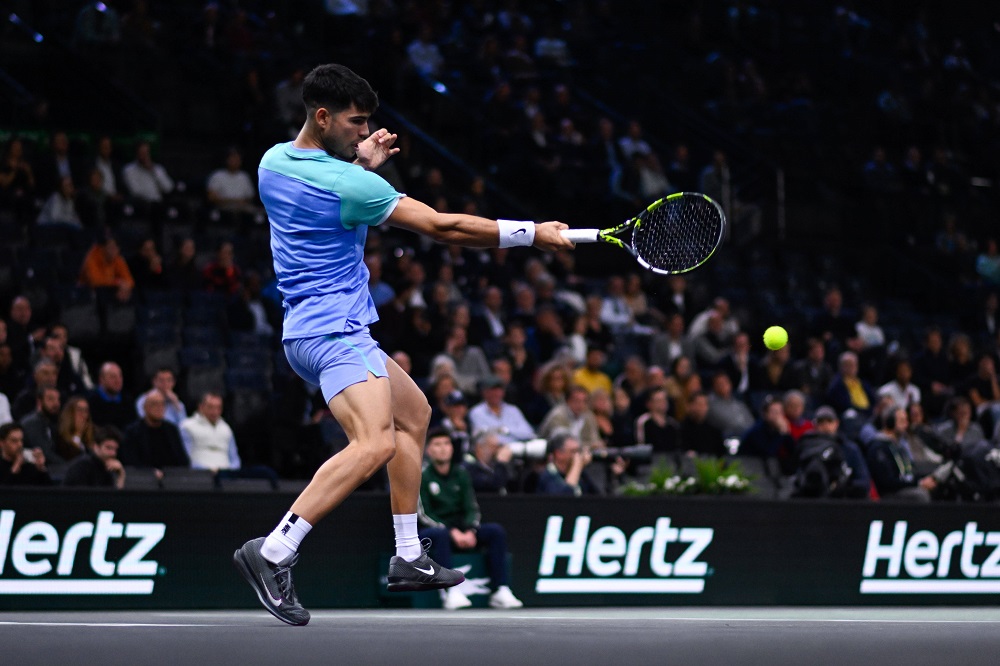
(580, 235)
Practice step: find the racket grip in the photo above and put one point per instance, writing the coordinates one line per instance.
(580, 235)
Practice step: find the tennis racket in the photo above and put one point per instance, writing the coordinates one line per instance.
(675, 234)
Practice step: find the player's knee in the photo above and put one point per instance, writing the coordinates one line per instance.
(382, 453)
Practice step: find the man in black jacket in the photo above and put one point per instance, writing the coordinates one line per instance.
(99, 467)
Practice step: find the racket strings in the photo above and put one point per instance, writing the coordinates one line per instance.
(678, 235)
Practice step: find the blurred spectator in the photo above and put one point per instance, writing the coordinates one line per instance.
(450, 518)
(380, 290)
(41, 427)
(794, 404)
(99, 467)
(697, 435)
(959, 429)
(891, 464)
(222, 275)
(231, 191)
(151, 441)
(988, 264)
(564, 472)
(105, 268)
(812, 374)
(552, 386)
(681, 384)
(833, 326)
(633, 142)
(926, 444)
(76, 429)
(110, 170)
(56, 165)
(146, 181)
(471, 366)
(17, 181)
(109, 405)
(738, 364)
(164, 381)
(666, 345)
(847, 391)
(574, 417)
(146, 267)
(249, 311)
(77, 363)
(983, 391)
(771, 436)
(44, 374)
(725, 412)
(931, 372)
(829, 464)
(60, 207)
(456, 421)
(591, 375)
(67, 381)
(11, 380)
(5, 415)
(716, 182)
(657, 428)
(424, 55)
(25, 330)
(711, 347)
(182, 270)
(901, 389)
(495, 415)
(288, 99)
(20, 467)
(97, 211)
(774, 371)
(961, 362)
(489, 464)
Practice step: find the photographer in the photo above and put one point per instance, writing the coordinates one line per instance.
(489, 464)
(564, 474)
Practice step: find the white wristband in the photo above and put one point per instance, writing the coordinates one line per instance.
(516, 232)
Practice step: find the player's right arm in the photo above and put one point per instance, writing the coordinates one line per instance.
(467, 230)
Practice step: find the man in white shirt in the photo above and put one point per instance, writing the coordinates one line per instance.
(208, 439)
(231, 189)
(146, 180)
(902, 391)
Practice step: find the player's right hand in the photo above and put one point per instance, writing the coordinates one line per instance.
(548, 238)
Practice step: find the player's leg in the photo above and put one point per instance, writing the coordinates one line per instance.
(411, 568)
(411, 414)
(364, 411)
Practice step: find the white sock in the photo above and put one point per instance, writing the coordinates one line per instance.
(281, 544)
(407, 540)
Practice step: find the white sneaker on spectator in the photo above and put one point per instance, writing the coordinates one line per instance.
(504, 598)
(454, 599)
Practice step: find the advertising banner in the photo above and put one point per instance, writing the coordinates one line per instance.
(63, 549)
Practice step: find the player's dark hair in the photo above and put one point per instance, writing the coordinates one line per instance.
(335, 88)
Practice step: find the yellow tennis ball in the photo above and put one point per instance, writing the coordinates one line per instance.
(775, 337)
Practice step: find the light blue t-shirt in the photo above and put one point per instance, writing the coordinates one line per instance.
(320, 209)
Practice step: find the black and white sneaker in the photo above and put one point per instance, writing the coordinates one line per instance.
(271, 582)
(422, 573)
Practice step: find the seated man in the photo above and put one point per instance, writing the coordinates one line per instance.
(152, 441)
(449, 517)
(495, 414)
(489, 465)
(17, 466)
(211, 444)
(830, 464)
(99, 467)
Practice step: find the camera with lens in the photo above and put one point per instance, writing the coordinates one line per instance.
(639, 453)
(532, 448)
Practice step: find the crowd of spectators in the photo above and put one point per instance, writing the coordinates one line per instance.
(522, 346)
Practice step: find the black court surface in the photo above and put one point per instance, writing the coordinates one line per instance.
(844, 637)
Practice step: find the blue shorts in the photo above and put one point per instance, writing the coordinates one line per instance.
(334, 362)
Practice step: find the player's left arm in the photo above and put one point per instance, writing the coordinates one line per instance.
(375, 150)
(467, 230)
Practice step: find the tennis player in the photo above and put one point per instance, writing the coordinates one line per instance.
(321, 196)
